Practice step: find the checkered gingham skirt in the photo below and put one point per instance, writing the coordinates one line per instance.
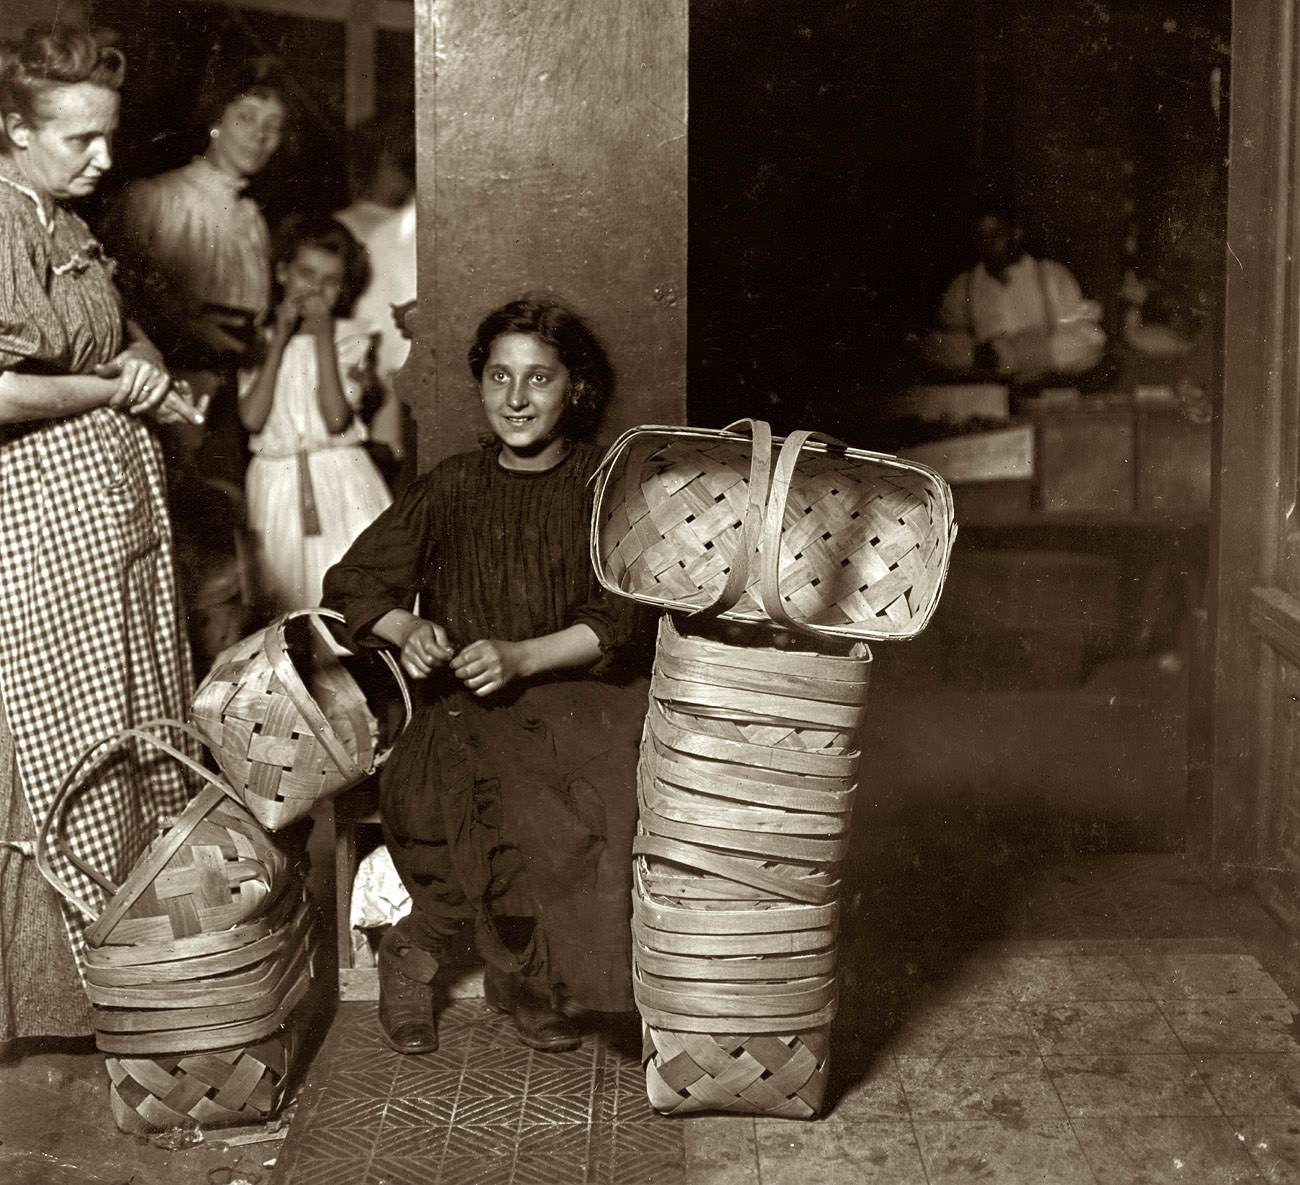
(91, 640)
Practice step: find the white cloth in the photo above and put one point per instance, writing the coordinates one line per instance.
(348, 490)
(1036, 299)
(390, 240)
(378, 896)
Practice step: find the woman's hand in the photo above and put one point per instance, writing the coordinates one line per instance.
(143, 381)
(488, 665)
(425, 648)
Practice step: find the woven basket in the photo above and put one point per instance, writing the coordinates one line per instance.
(204, 1031)
(244, 1084)
(287, 720)
(745, 784)
(210, 868)
(829, 540)
(189, 1005)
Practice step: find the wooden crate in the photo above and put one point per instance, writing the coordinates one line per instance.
(1004, 454)
(1028, 619)
(1085, 461)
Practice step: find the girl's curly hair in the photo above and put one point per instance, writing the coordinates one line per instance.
(591, 377)
(320, 230)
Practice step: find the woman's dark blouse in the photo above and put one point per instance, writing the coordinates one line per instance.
(490, 552)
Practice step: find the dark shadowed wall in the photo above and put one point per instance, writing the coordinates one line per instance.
(833, 145)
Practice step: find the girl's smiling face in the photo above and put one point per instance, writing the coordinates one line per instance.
(525, 389)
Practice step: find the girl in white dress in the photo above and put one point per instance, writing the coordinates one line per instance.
(311, 485)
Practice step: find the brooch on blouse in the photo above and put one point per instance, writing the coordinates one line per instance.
(91, 254)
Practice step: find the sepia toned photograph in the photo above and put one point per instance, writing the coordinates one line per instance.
(696, 592)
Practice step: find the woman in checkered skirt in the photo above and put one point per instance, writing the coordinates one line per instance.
(90, 631)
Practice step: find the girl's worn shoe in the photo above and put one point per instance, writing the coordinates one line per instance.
(405, 1005)
(538, 1024)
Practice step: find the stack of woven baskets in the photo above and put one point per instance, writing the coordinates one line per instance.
(749, 755)
(199, 966)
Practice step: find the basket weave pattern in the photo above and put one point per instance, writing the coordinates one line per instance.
(204, 1031)
(231, 1086)
(198, 968)
(745, 798)
(223, 874)
(286, 721)
(857, 542)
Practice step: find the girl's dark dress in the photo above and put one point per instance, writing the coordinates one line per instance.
(522, 804)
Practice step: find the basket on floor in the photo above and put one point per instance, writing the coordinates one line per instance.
(826, 539)
(223, 1088)
(205, 1031)
(288, 721)
(746, 780)
(198, 968)
(210, 868)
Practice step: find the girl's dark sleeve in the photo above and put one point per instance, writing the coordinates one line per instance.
(616, 621)
(383, 567)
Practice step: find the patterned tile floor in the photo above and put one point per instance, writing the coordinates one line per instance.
(482, 1110)
(1116, 1023)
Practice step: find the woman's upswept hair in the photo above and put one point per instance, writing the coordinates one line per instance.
(320, 230)
(591, 377)
(227, 80)
(50, 56)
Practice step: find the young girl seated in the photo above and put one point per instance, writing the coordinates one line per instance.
(311, 485)
(510, 798)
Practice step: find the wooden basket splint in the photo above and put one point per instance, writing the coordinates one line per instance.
(288, 721)
(208, 869)
(205, 1031)
(197, 1021)
(745, 783)
(827, 539)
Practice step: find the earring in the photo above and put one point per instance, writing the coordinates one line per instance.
(214, 133)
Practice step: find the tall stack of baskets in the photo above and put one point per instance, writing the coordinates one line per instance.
(749, 755)
(199, 966)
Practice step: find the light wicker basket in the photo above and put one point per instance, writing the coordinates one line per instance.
(203, 1002)
(288, 721)
(745, 784)
(210, 868)
(198, 987)
(827, 539)
(245, 1084)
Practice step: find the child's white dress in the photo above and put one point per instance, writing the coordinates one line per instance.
(296, 462)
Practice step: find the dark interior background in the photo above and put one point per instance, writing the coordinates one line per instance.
(833, 144)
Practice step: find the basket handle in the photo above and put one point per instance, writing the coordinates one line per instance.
(389, 661)
(179, 832)
(769, 579)
(760, 473)
(297, 692)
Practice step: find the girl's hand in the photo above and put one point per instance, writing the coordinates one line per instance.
(487, 665)
(425, 648)
(287, 315)
(316, 316)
